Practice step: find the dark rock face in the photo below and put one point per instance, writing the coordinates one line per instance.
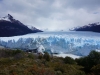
(94, 27)
(14, 27)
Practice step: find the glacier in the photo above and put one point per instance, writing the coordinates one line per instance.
(72, 42)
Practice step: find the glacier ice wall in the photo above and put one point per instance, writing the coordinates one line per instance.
(79, 43)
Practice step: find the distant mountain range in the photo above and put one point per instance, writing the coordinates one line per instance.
(94, 27)
(12, 27)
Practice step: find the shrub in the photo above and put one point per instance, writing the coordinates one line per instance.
(12, 52)
(46, 56)
(69, 60)
(5, 61)
(60, 68)
(94, 57)
(31, 56)
(40, 56)
(89, 61)
(96, 69)
(67, 69)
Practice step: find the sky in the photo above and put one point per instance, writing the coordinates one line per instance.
(52, 15)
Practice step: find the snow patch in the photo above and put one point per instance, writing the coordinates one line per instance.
(69, 55)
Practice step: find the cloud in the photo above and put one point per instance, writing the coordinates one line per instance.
(53, 15)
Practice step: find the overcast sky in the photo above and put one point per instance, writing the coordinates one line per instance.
(52, 15)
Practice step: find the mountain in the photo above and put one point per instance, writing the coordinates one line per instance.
(94, 27)
(12, 27)
(77, 43)
(34, 29)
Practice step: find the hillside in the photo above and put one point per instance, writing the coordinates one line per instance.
(18, 62)
(94, 27)
(12, 27)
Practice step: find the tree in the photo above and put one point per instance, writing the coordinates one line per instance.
(94, 57)
(96, 69)
(69, 60)
(89, 61)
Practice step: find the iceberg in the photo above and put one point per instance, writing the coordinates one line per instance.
(72, 42)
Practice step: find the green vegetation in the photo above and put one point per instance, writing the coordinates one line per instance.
(46, 56)
(69, 60)
(89, 61)
(17, 62)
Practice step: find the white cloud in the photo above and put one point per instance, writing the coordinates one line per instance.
(52, 14)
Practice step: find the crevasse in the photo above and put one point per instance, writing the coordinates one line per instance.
(78, 43)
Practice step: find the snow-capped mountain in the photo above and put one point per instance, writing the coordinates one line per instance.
(34, 29)
(78, 43)
(5, 18)
(12, 27)
(94, 27)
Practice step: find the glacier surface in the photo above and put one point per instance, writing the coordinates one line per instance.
(78, 43)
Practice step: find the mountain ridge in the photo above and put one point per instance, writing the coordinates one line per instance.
(93, 27)
(12, 27)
